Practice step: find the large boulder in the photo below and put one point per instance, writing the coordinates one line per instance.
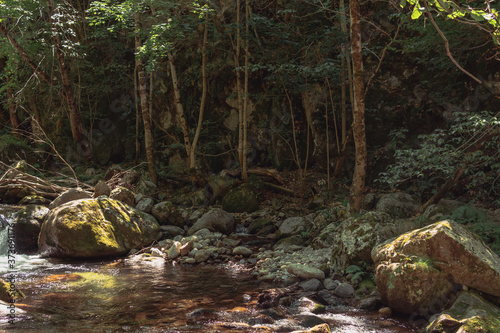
(240, 199)
(352, 241)
(294, 226)
(469, 313)
(215, 220)
(27, 224)
(398, 205)
(420, 267)
(94, 228)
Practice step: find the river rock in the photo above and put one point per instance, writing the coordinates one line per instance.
(95, 228)
(344, 290)
(294, 226)
(240, 199)
(174, 251)
(420, 268)
(162, 210)
(354, 238)
(202, 255)
(145, 205)
(27, 228)
(8, 292)
(305, 272)
(69, 195)
(146, 187)
(101, 188)
(243, 251)
(398, 205)
(123, 194)
(321, 328)
(311, 285)
(170, 231)
(469, 313)
(215, 220)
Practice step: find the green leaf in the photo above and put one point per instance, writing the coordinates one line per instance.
(416, 12)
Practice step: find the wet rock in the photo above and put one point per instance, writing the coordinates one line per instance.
(321, 328)
(270, 298)
(256, 226)
(101, 188)
(469, 313)
(307, 304)
(421, 267)
(312, 285)
(344, 290)
(94, 228)
(309, 320)
(186, 248)
(331, 284)
(124, 195)
(240, 199)
(369, 303)
(385, 311)
(69, 195)
(215, 220)
(174, 251)
(9, 292)
(243, 251)
(305, 272)
(145, 204)
(27, 224)
(398, 205)
(202, 255)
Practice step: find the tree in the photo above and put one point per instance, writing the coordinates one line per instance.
(358, 178)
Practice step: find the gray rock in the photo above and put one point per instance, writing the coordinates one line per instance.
(69, 195)
(305, 272)
(398, 205)
(344, 290)
(243, 251)
(312, 285)
(215, 220)
(170, 231)
(27, 228)
(162, 210)
(331, 284)
(294, 226)
(124, 195)
(174, 251)
(145, 204)
(202, 255)
(146, 187)
(101, 188)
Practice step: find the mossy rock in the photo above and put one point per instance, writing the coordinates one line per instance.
(94, 228)
(7, 294)
(469, 313)
(240, 199)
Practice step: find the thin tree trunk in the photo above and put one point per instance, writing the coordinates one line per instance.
(358, 178)
(75, 119)
(192, 154)
(244, 172)
(347, 58)
(14, 121)
(143, 95)
(178, 104)
(238, 83)
(137, 117)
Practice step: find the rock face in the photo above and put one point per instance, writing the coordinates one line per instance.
(354, 238)
(215, 220)
(240, 199)
(27, 228)
(69, 195)
(398, 204)
(469, 313)
(421, 266)
(95, 228)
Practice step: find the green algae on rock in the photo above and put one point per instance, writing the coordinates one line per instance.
(93, 228)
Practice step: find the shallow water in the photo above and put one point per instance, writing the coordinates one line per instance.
(150, 295)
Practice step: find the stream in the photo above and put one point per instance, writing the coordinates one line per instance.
(144, 294)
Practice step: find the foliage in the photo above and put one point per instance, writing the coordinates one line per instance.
(436, 157)
(467, 214)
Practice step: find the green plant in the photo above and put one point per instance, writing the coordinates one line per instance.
(467, 214)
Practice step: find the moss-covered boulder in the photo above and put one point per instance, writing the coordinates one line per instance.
(93, 228)
(469, 313)
(419, 268)
(27, 223)
(240, 199)
(352, 241)
(8, 291)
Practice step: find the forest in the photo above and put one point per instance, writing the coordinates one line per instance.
(346, 151)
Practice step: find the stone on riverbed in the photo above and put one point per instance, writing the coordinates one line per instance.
(68, 196)
(215, 220)
(305, 272)
(94, 228)
(27, 228)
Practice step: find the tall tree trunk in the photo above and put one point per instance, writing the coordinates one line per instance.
(14, 121)
(75, 119)
(346, 67)
(238, 83)
(244, 171)
(178, 104)
(192, 154)
(358, 178)
(143, 95)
